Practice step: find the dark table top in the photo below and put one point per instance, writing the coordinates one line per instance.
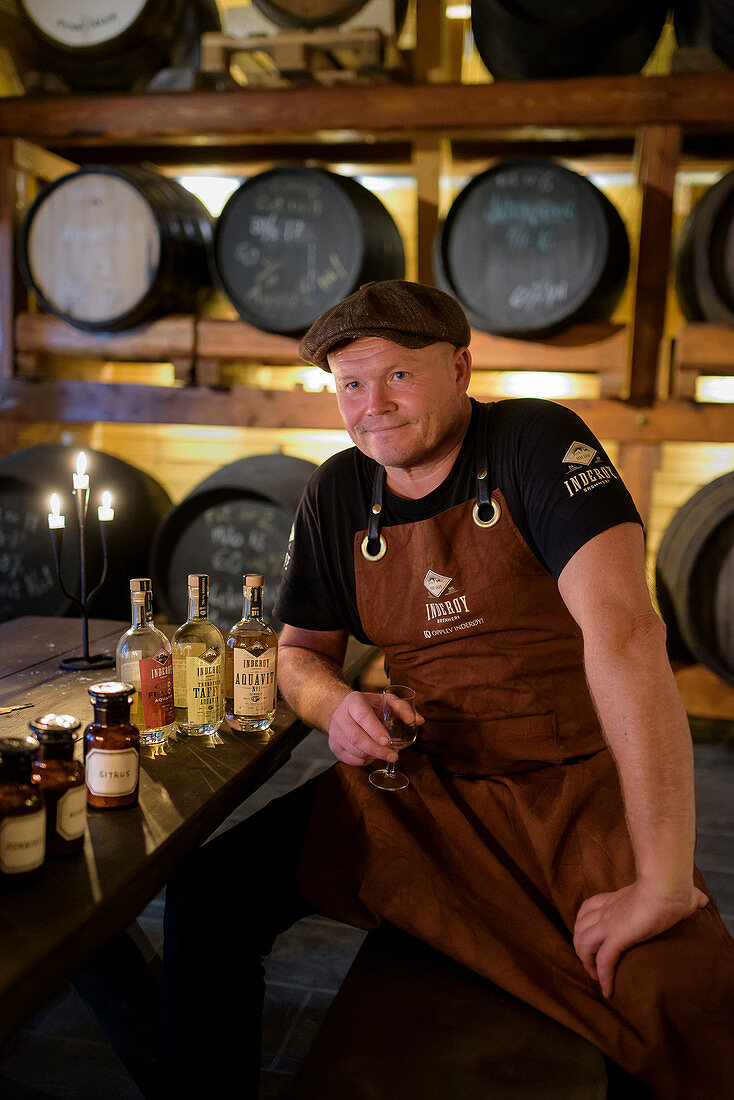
(50, 928)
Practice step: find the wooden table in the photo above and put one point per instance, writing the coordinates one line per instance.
(49, 929)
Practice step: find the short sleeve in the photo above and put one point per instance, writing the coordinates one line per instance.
(567, 489)
(306, 598)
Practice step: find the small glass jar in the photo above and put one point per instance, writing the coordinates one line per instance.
(112, 748)
(61, 778)
(22, 812)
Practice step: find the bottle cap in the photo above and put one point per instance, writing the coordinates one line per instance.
(55, 729)
(252, 580)
(16, 758)
(198, 580)
(141, 584)
(111, 691)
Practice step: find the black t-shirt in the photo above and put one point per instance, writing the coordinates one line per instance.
(558, 483)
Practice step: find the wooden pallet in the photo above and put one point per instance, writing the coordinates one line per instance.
(327, 56)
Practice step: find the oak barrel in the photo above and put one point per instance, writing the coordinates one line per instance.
(521, 39)
(708, 23)
(291, 242)
(529, 247)
(310, 14)
(28, 477)
(704, 264)
(694, 576)
(236, 521)
(103, 45)
(107, 248)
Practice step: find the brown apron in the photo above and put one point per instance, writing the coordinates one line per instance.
(514, 812)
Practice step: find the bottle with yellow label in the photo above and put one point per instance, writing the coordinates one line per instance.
(198, 665)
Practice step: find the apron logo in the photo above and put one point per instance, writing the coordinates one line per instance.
(435, 583)
(579, 453)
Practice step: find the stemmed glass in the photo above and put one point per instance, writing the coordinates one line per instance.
(398, 715)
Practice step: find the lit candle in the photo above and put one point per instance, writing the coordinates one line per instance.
(55, 520)
(80, 478)
(105, 511)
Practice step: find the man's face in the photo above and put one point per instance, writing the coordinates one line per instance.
(401, 406)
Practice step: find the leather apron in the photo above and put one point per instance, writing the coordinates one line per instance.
(514, 812)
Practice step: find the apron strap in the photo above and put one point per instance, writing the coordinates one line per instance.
(486, 511)
(374, 544)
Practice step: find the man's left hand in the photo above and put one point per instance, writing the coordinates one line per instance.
(608, 924)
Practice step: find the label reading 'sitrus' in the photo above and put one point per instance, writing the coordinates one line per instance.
(112, 772)
(156, 690)
(22, 842)
(71, 813)
(254, 682)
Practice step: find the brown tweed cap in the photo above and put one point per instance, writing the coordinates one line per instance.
(406, 313)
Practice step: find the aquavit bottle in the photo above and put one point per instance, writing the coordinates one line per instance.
(198, 665)
(111, 748)
(61, 778)
(22, 812)
(144, 660)
(250, 665)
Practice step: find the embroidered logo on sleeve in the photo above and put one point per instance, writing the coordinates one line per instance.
(579, 454)
(435, 583)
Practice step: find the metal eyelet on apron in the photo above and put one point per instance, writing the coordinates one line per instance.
(496, 513)
(380, 553)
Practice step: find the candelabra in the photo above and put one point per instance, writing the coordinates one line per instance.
(56, 524)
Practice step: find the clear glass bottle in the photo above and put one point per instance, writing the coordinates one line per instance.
(250, 664)
(144, 660)
(111, 748)
(198, 665)
(22, 812)
(61, 778)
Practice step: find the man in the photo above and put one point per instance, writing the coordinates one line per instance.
(495, 556)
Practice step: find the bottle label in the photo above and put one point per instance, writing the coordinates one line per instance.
(254, 682)
(112, 771)
(71, 813)
(22, 842)
(155, 694)
(199, 688)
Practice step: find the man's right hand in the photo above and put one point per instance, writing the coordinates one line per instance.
(356, 734)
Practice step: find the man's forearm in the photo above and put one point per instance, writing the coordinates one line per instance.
(645, 723)
(312, 684)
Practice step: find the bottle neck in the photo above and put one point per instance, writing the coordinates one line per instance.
(139, 611)
(252, 601)
(112, 713)
(198, 608)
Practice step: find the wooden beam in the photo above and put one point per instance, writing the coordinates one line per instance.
(430, 154)
(40, 162)
(76, 402)
(425, 60)
(657, 152)
(237, 340)
(596, 347)
(160, 341)
(615, 103)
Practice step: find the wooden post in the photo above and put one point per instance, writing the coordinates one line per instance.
(429, 156)
(426, 57)
(7, 254)
(657, 151)
(637, 464)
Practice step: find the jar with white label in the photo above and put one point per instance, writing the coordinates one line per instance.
(112, 748)
(61, 778)
(22, 812)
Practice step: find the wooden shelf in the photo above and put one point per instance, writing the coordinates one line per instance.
(700, 349)
(700, 103)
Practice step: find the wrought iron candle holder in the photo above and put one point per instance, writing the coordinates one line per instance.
(84, 601)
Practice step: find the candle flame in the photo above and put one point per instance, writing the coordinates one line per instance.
(81, 464)
(55, 504)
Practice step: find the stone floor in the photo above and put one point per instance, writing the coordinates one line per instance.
(62, 1054)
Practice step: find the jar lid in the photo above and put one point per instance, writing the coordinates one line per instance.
(55, 729)
(252, 580)
(16, 758)
(111, 691)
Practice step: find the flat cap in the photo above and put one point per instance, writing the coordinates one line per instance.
(406, 313)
